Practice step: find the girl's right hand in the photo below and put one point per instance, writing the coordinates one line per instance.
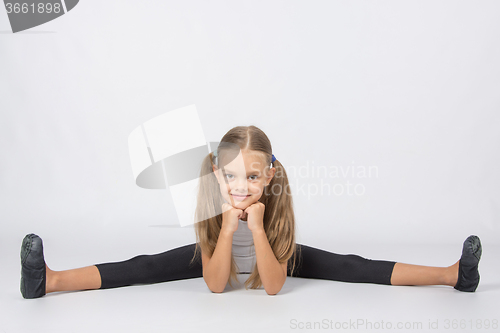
(230, 217)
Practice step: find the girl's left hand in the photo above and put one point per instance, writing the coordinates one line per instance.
(255, 217)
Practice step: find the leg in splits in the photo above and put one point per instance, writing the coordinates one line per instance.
(176, 264)
(319, 264)
(167, 266)
(313, 263)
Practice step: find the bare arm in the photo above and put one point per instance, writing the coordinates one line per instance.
(216, 268)
(272, 273)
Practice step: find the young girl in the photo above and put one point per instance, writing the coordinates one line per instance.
(247, 225)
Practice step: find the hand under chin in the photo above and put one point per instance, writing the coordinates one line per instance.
(238, 205)
(242, 206)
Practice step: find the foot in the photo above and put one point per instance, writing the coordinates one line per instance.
(468, 272)
(33, 268)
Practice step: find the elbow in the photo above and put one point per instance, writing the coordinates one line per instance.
(216, 290)
(273, 291)
(213, 288)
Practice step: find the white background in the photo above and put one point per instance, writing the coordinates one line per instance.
(410, 87)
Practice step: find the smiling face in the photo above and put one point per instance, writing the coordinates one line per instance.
(243, 179)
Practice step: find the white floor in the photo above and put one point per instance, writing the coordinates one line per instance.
(188, 305)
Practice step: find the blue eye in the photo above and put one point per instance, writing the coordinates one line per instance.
(230, 176)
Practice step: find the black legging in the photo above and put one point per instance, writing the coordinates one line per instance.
(175, 264)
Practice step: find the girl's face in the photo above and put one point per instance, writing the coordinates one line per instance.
(243, 179)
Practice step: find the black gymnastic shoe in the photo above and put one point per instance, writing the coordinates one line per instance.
(468, 273)
(32, 267)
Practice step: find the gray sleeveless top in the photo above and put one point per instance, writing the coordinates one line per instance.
(243, 248)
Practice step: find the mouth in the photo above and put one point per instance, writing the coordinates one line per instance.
(240, 197)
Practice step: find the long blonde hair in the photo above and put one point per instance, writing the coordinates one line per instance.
(279, 218)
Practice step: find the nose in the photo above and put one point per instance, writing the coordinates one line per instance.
(240, 186)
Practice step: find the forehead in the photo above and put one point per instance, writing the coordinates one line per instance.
(247, 160)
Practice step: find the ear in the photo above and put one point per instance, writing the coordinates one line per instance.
(271, 174)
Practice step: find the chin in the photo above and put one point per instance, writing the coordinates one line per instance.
(241, 205)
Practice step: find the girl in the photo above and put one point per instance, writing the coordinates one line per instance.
(247, 225)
